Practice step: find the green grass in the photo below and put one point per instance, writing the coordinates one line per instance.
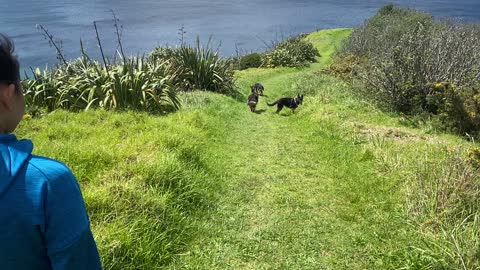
(142, 176)
(214, 186)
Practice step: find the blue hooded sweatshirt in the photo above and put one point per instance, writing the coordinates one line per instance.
(43, 220)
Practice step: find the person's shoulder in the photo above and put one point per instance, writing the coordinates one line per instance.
(50, 168)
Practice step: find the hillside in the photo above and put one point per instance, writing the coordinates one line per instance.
(214, 186)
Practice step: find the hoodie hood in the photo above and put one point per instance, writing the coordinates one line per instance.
(13, 155)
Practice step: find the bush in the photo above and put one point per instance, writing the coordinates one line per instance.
(407, 52)
(444, 101)
(345, 67)
(381, 33)
(293, 52)
(280, 57)
(162, 54)
(201, 68)
(197, 68)
(253, 60)
(136, 84)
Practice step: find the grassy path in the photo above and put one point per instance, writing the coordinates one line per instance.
(298, 194)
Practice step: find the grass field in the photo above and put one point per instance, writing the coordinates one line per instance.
(214, 186)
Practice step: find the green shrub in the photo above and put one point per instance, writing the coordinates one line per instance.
(162, 53)
(381, 33)
(387, 9)
(197, 68)
(473, 157)
(253, 60)
(345, 67)
(136, 84)
(293, 52)
(445, 102)
(201, 68)
(280, 57)
(406, 53)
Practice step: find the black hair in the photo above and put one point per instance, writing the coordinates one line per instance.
(9, 65)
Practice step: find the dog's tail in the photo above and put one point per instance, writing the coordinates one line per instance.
(272, 104)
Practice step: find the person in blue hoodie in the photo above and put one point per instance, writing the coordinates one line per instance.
(43, 220)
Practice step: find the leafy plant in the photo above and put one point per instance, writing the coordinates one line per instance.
(197, 67)
(253, 60)
(82, 84)
(293, 52)
(406, 52)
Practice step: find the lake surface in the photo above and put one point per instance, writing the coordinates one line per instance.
(246, 25)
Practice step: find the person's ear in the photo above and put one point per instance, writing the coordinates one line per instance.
(7, 93)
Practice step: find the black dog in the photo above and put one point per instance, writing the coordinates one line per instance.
(257, 88)
(291, 103)
(252, 101)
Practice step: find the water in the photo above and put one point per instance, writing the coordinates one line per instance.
(241, 25)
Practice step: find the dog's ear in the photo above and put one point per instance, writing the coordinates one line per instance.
(301, 97)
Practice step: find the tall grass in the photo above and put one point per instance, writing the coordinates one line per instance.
(444, 200)
(441, 188)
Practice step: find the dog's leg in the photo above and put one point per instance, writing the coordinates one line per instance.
(279, 108)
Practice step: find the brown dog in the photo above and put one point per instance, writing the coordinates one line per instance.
(257, 88)
(252, 101)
